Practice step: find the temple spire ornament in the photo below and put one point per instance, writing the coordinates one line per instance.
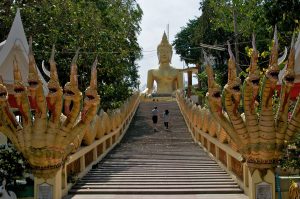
(53, 69)
(231, 66)
(93, 82)
(33, 74)
(17, 73)
(274, 50)
(254, 57)
(291, 59)
(54, 97)
(73, 75)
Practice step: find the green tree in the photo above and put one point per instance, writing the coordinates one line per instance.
(6, 17)
(12, 163)
(250, 15)
(216, 25)
(285, 15)
(104, 28)
(259, 17)
(201, 30)
(185, 43)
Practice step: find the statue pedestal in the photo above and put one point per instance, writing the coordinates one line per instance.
(50, 188)
(261, 187)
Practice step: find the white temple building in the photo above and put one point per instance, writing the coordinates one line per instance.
(15, 46)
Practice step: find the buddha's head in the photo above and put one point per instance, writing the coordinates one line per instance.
(164, 50)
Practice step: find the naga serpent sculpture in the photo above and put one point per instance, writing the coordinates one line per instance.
(260, 133)
(45, 134)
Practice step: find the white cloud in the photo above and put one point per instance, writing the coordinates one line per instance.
(157, 14)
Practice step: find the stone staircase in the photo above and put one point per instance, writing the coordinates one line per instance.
(164, 162)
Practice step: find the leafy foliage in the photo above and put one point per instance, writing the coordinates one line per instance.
(291, 158)
(12, 163)
(185, 43)
(202, 79)
(201, 30)
(285, 15)
(104, 28)
(215, 27)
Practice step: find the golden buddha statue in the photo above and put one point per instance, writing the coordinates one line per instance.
(168, 79)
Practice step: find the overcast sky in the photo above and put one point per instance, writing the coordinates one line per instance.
(157, 14)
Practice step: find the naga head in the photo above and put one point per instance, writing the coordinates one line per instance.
(253, 77)
(33, 77)
(71, 91)
(3, 92)
(289, 74)
(273, 69)
(18, 87)
(214, 90)
(233, 84)
(54, 87)
(91, 95)
(47, 138)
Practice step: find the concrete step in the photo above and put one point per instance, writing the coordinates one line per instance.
(166, 158)
(157, 186)
(158, 196)
(179, 178)
(156, 163)
(157, 191)
(154, 170)
(153, 183)
(156, 180)
(146, 175)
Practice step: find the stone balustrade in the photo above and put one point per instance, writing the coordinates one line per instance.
(111, 127)
(214, 139)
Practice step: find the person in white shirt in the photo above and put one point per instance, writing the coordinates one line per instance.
(155, 118)
(166, 119)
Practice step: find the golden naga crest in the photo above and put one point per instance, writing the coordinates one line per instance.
(46, 129)
(260, 132)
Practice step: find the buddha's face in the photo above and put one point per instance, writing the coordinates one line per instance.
(164, 54)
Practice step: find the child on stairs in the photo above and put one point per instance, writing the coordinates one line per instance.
(166, 119)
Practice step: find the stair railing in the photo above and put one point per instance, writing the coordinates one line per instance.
(111, 131)
(214, 139)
